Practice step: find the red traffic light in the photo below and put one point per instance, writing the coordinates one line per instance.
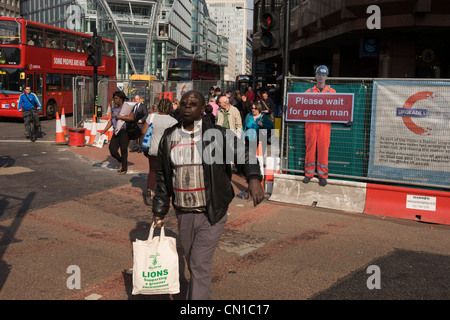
(267, 21)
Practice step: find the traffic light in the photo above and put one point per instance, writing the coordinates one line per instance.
(95, 52)
(270, 36)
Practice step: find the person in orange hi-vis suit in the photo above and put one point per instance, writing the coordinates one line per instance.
(317, 135)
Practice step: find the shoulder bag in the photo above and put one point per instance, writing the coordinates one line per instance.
(147, 141)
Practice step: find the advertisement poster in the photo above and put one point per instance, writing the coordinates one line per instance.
(320, 107)
(183, 87)
(410, 132)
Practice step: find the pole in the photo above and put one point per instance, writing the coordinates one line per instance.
(287, 18)
(95, 80)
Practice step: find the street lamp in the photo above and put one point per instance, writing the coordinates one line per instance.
(242, 8)
(193, 56)
(176, 48)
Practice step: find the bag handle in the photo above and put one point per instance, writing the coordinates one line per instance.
(152, 229)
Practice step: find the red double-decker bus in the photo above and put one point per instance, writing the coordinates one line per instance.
(188, 69)
(46, 58)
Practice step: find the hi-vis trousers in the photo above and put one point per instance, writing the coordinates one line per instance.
(317, 138)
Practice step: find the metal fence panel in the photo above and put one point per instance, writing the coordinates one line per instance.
(83, 99)
(105, 90)
(400, 132)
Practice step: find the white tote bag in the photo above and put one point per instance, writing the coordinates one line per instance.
(155, 265)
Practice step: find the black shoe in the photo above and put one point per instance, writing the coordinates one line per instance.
(306, 179)
(322, 182)
(27, 137)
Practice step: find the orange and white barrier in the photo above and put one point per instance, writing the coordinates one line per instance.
(408, 203)
(63, 122)
(60, 139)
(110, 133)
(272, 167)
(424, 205)
(260, 157)
(93, 132)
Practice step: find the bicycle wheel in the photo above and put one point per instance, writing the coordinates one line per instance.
(33, 132)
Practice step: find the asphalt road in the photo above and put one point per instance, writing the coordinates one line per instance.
(62, 206)
(41, 173)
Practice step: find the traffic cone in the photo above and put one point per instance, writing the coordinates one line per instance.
(63, 122)
(108, 111)
(93, 132)
(59, 131)
(260, 157)
(272, 167)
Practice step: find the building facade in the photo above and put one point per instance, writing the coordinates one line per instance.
(386, 38)
(10, 8)
(232, 24)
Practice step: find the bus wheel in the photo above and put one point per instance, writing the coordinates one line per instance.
(51, 110)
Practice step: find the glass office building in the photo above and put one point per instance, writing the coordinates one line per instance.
(232, 23)
(147, 33)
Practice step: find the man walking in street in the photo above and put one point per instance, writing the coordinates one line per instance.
(29, 105)
(317, 135)
(140, 115)
(228, 116)
(200, 188)
(269, 107)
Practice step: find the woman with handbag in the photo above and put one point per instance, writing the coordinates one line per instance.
(159, 121)
(120, 139)
(254, 122)
(256, 125)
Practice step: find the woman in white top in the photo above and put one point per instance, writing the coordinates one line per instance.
(161, 120)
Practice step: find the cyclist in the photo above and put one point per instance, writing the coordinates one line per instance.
(29, 105)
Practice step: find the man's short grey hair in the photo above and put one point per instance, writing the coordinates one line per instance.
(224, 99)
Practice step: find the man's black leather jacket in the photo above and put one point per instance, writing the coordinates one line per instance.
(219, 190)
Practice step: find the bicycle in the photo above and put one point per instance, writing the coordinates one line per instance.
(33, 125)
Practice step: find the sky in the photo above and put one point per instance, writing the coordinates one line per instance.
(250, 14)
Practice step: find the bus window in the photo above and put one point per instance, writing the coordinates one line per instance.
(53, 39)
(78, 40)
(10, 80)
(108, 49)
(53, 81)
(67, 81)
(35, 36)
(85, 42)
(29, 82)
(9, 32)
(68, 41)
(10, 56)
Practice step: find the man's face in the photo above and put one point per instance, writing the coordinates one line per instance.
(265, 96)
(223, 103)
(190, 108)
(321, 77)
(27, 90)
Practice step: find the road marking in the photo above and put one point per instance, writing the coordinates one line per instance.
(26, 141)
(4, 171)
